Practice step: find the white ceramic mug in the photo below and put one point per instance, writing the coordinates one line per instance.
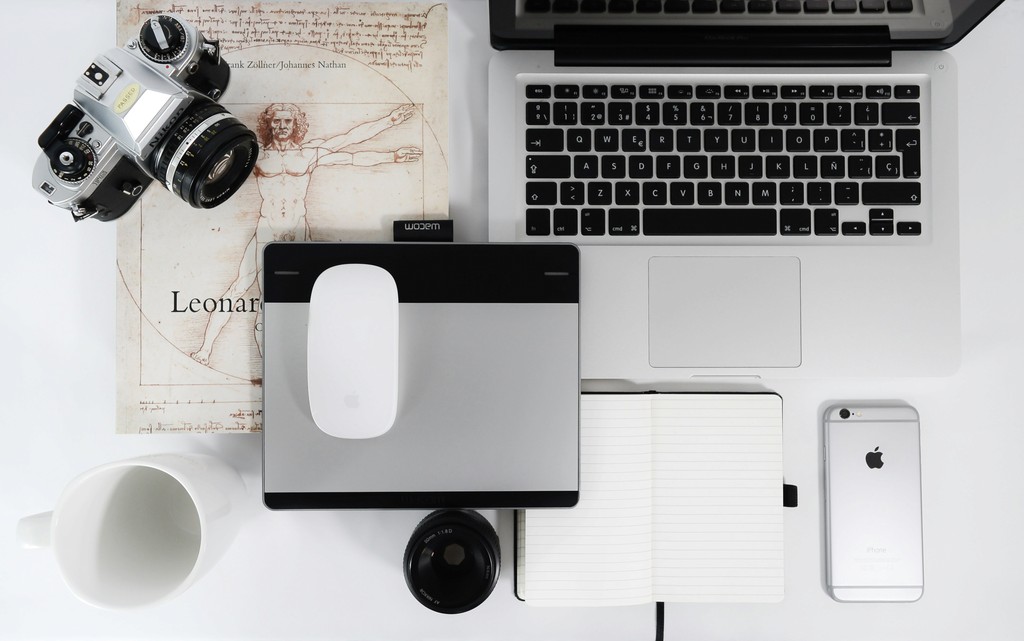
(140, 531)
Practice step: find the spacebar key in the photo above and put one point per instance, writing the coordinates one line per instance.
(710, 222)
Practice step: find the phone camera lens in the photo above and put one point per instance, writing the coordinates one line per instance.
(844, 413)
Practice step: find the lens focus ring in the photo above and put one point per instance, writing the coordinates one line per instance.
(206, 156)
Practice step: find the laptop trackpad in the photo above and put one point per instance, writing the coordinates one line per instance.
(724, 311)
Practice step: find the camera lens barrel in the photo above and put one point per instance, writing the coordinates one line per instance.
(452, 561)
(206, 156)
(844, 413)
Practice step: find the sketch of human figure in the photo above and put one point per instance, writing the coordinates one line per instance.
(283, 172)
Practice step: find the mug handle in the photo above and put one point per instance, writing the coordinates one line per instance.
(34, 531)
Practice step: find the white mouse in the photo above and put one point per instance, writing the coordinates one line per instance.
(352, 351)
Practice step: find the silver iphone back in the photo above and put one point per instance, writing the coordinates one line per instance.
(873, 503)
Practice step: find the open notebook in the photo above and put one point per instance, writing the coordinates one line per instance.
(680, 500)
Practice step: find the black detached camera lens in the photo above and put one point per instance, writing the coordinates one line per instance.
(844, 413)
(452, 560)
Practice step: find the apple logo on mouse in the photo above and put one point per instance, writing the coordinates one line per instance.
(874, 459)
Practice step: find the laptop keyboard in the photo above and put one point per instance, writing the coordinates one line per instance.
(687, 160)
(718, 6)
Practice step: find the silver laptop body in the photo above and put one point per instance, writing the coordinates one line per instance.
(872, 289)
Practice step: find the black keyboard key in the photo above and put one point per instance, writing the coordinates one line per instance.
(737, 92)
(695, 166)
(833, 167)
(704, 6)
(661, 140)
(673, 113)
(812, 114)
(623, 222)
(709, 222)
(648, 6)
(538, 6)
(766, 92)
(652, 92)
(908, 228)
(846, 193)
(613, 166)
(850, 92)
(793, 92)
(593, 6)
(733, 6)
(756, 114)
(548, 167)
(565, 6)
(880, 140)
(891, 193)
(566, 113)
(620, 6)
(872, 6)
(592, 222)
(908, 143)
(816, 6)
(566, 222)
(654, 193)
(844, 6)
(572, 193)
(906, 92)
(865, 113)
(627, 193)
(634, 140)
(826, 222)
(795, 222)
(538, 92)
(681, 193)
(900, 6)
(599, 193)
(538, 222)
(791, 193)
(567, 91)
(723, 167)
(798, 140)
(667, 167)
(901, 113)
(764, 193)
(826, 140)
(805, 166)
(852, 140)
(595, 92)
(647, 113)
(760, 6)
(677, 6)
(641, 167)
(709, 194)
(702, 113)
(541, 193)
(823, 92)
(852, 228)
(880, 227)
(592, 113)
(578, 139)
(620, 113)
(770, 140)
(606, 140)
(708, 92)
(788, 6)
(860, 167)
(743, 140)
(838, 113)
(623, 92)
(819, 193)
(730, 113)
(887, 167)
(545, 140)
(680, 92)
(878, 92)
(784, 114)
(737, 193)
(538, 113)
(716, 140)
(688, 140)
(750, 167)
(585, 166)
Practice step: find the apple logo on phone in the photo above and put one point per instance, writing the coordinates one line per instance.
(874, 459)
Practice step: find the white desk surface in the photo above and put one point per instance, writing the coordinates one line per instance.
(293, 575)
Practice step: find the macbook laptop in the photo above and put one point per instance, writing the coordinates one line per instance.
(758, 188)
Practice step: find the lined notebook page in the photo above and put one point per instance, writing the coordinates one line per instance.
(680, 500)
(599, 552)
(717, 507)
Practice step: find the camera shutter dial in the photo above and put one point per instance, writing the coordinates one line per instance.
(71, 159)
(163, 39)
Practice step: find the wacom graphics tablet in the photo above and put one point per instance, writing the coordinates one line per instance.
(488, 380)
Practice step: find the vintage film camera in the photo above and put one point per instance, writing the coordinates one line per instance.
(146, 111)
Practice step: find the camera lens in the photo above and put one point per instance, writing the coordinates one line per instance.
(452, 561)
(206, 156)
(844, 413)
